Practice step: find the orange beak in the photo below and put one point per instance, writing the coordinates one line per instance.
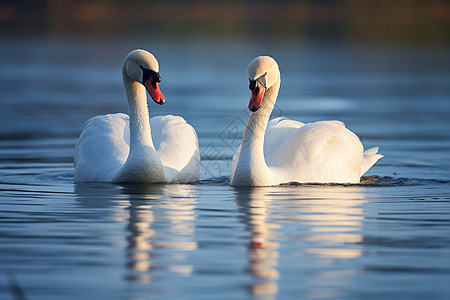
(154, 91)
(256, 98)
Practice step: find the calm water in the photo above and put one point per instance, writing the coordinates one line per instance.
(387, 238)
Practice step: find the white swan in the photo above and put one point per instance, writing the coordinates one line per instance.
(285, 150)
(121, 148)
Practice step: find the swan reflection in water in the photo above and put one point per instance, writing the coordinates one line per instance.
(160, 236)
(155, 225)
(160, 220)
(254, 204)
(328, 219)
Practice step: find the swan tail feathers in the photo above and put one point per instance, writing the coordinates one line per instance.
(370, 157)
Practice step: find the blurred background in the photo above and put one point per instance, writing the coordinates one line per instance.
(382, 21)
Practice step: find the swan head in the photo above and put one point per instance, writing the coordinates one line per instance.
(141, 66)
(262, 72)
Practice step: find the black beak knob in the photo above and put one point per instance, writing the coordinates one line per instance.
(252, 85)
(156, 77)
(147, 74)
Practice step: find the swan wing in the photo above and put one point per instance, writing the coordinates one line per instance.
(277, 130)
(177, 145)
(323, 151)
(102, 148)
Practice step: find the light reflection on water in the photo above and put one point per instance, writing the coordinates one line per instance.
(386, 238)
(169, 240)
(144, 209)
(330, 219)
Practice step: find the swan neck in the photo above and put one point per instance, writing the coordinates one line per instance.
(142, 164)
(257, 123)
(140, 131)
(251, 168)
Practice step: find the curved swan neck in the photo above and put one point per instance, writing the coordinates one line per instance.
(251, 168)
(257, 122)
(140, 131)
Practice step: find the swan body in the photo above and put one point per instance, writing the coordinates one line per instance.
(134, 148)
(283, 150)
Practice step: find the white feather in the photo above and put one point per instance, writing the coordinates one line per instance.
(284, 150)
(164, 148)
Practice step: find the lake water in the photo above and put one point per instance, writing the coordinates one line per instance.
(386, 238)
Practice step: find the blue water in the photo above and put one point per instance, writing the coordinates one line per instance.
(386, 238)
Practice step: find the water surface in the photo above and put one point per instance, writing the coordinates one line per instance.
(387, 238)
